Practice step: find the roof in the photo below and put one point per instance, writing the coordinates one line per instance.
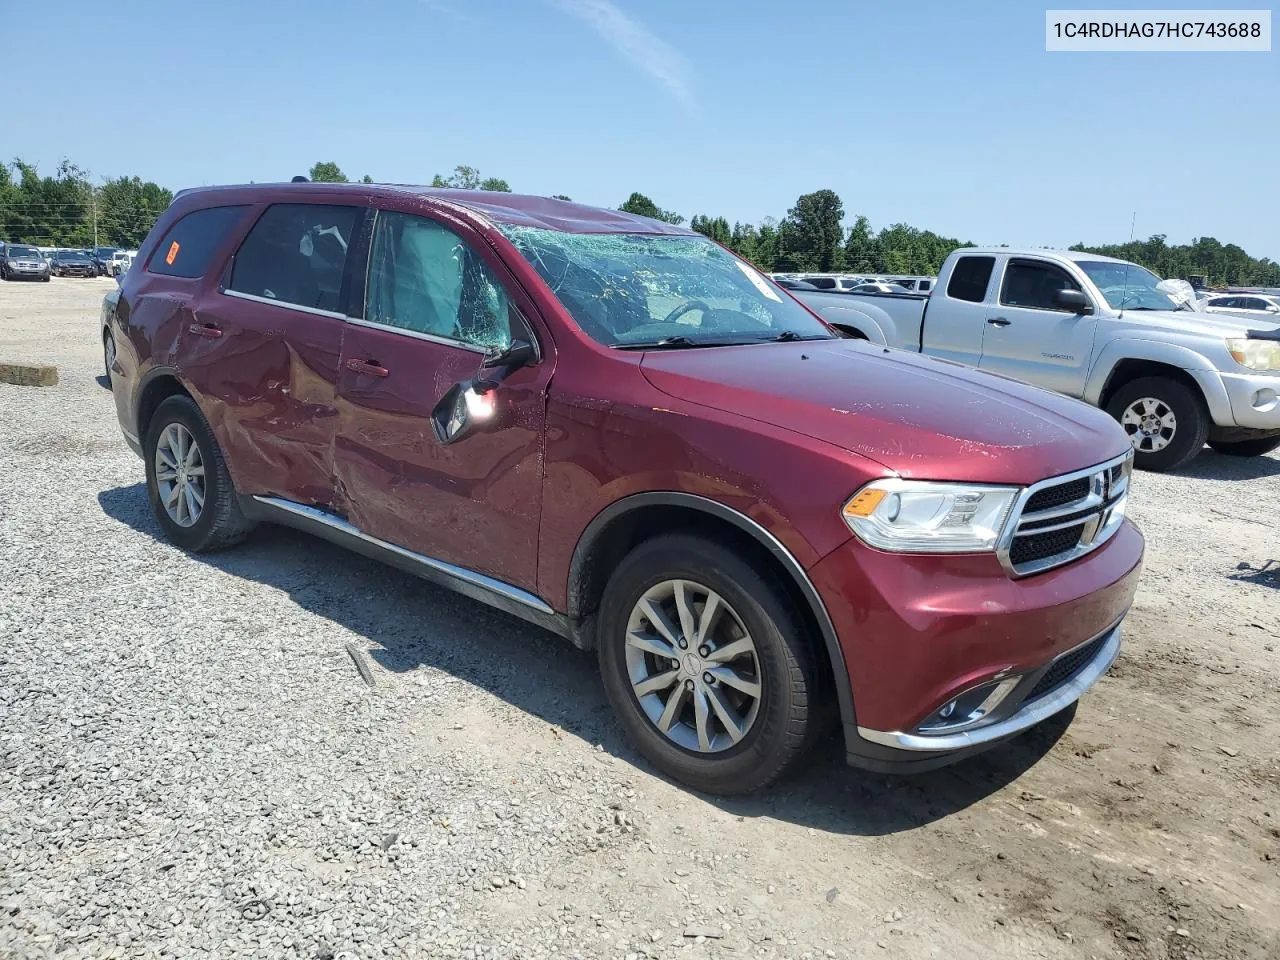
(1039, 252)
(503, 208)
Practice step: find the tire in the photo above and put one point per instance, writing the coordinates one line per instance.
(1246, 448)
(1188, 428)
(219, 522)
(108, 353)
(780, 725)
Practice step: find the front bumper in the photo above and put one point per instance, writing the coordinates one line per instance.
(1255, 399)
(919, 631)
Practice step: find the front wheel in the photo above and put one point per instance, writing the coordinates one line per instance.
(1165, 419)
(1246, 448)
(706, 665)
(188, 483)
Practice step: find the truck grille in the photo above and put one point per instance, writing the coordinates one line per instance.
(1066, 517)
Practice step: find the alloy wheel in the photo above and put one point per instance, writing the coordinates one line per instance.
(693, 666)
(180, 477)
(1150, 424)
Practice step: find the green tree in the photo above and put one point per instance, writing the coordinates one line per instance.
(561, 196)
(468, 178)
(641, 206)
(366, 179)
(495, 185)
(128, 207)
(811, 233)
(717, 228)
(327, 172)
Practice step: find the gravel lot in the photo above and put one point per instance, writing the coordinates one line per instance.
(191, 764)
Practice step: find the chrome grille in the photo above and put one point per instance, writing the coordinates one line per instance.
(1063, 518)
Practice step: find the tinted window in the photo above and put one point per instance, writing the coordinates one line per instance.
(1253, 303)
(190, 243)
(15, 252)
(923, 286)
(1030, 283)
(822, 283)
(970, 277)
(297, 253)
(425, 279)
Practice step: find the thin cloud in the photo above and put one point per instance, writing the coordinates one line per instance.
(661, 61)
(450, 12)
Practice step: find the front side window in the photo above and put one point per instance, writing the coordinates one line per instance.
(1126, 286)
(638, 290)
(1034, 284)
(969, 278)
(424, 278)
(189, 245)
(297, 254)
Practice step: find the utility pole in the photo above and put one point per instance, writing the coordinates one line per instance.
(93, 202)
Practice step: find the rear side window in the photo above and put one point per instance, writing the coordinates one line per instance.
(970, 277)
(1030, 283)
(924, 286)
(190, 243)
(297, 254)
(822, 283)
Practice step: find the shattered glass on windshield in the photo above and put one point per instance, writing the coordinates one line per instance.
(635, 289)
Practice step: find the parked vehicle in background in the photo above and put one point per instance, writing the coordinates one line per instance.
(879, 288)
(73, 263)
(791, 283)
(103, 259)
(1249, 305)
(913, 284)
(616, 429)
(120, 262)
(825, 281)
(1094, 328)
(21, 262)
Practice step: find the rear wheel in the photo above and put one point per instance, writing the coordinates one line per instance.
(1165, 419)
(108, 354)
(706, 665)
(188, 483)
(1246, 448)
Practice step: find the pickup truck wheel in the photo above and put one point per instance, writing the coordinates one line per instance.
(1246, 448)
(188, 483)
(706, 665)
(1165, 419)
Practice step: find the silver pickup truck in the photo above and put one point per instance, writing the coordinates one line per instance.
(1093, 328)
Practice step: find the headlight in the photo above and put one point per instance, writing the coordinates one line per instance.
(917, 516)
(1255, 354)
(13, 264)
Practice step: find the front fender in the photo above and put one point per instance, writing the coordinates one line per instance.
(1197, 366)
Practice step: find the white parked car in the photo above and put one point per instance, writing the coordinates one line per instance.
(1246, 304)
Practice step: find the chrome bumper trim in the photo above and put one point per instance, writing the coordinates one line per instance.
(1027, 716)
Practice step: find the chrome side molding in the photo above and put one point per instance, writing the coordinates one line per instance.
(478, 586)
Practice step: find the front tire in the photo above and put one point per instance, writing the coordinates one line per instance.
(188, 483)
(685, 619)
(1246, 448)
(1165, 419)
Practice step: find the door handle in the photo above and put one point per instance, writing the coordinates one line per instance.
(368, 368)
(998, 321)
(210, 331)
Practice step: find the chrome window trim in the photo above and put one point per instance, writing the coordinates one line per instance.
(284, 304)
(480, 580)
(1028, 715)
(429, 337)
(1112, 513)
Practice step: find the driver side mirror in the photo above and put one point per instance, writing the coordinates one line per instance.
(519, 353)
(1075, 301)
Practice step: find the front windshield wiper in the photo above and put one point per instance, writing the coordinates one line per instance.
(676, 343)
(790, 336)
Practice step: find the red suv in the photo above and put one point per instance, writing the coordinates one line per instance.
(616, 429)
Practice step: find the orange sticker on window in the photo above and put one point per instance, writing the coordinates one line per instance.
(172, 255)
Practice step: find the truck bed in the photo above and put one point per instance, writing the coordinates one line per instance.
(894, 319)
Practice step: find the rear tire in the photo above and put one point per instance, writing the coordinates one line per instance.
(767, 691)
(1246, 448)
(1165, 419)
(218, 521)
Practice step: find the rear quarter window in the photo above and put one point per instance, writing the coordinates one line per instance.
(189, 245)
(970, 277)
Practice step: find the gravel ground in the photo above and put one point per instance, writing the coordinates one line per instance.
(192, 765)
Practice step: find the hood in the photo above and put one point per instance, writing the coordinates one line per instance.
(1201, 324)
(921, 417)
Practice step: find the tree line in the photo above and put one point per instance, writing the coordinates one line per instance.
(64, 209)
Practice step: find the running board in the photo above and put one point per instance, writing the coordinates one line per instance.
(477, 586)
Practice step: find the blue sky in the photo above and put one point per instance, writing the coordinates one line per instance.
(940, 113)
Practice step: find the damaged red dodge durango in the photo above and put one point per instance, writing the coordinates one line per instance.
(615, 429)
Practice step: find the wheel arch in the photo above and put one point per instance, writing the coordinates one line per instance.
(626, 523)
(159, 384)
(1124, 361)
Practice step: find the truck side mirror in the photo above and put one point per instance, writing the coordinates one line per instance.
(1075, 301)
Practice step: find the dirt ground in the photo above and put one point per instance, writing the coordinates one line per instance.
(1146, 826)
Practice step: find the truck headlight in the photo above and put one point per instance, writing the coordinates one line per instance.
(1255, 354)
(918, 516)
